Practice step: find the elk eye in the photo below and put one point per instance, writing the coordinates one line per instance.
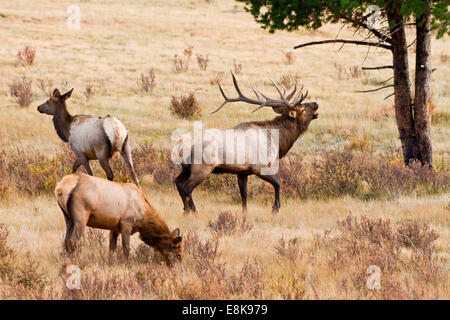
(292, 114)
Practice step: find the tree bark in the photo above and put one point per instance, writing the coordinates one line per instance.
(422, 95)
(402, 92)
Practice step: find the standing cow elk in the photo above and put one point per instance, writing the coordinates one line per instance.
(89, 137)
(121, 208)
(293, 120)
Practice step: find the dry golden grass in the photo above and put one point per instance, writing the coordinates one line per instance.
(118, 42)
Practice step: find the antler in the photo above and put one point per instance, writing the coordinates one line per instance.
(268, 102)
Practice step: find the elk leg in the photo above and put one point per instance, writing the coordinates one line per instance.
(274, 181)
(86, 165)
(126, 155)
(179, 181)
(75, 236)
(76, 165)
(113, 235)
(69, 230)
(242, 182)
(125, 231)
(197, 176)
(105, 165)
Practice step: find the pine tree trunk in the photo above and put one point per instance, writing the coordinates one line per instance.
(402, 90)
(422, 95)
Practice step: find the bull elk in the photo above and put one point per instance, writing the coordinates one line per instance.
(89, 137)
(121, 208)
(293, 120)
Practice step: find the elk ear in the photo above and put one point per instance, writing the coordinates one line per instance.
(176, 232)
(292, 114)
(56, 93)
(67, 94)
(176, 241)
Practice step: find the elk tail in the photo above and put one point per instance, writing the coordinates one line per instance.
(116, 133)
(64, 193)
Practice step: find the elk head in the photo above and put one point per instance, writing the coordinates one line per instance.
(55, 102)
(171, 249)
(289, 106)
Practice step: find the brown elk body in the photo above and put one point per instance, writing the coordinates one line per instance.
(293, 120)
(89, 137)
(121, 208)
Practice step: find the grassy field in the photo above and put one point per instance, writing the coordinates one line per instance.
(307, 251)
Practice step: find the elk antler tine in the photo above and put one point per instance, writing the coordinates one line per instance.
(278, 89)
(256, 93)
(236, 85)
(289, 97)
(259, 107)
(297, 97)
(220, 107)
(265, 97)
(223, 93)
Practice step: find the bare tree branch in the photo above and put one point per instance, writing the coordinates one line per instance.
(376, 33)
(383, 82)
(362, 43)
(389, 95)
(377, 68)
(383, 87)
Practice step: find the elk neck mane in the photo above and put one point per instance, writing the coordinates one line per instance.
(62, 121)
(289, 130)
(153, 230)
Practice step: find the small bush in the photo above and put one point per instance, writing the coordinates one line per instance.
(289, 57)
(28, 275)
(218, 78)
(148, 81)
(338, 173)
(227, 223)
(202, 61)
(288, 80)
(46, 86)
(368, 242)
(181, 64)
(26, 55)
(4, 180)
(21, 90)
(288, 248)
(237, 66)
(290, 287)
(356, 72)
(418, 236)
(185, 107)
(358, 143)
(89, 91)
(341, 71)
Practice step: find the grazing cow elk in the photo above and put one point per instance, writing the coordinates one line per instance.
(119, 207)
(293, 120)
(89, 137)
